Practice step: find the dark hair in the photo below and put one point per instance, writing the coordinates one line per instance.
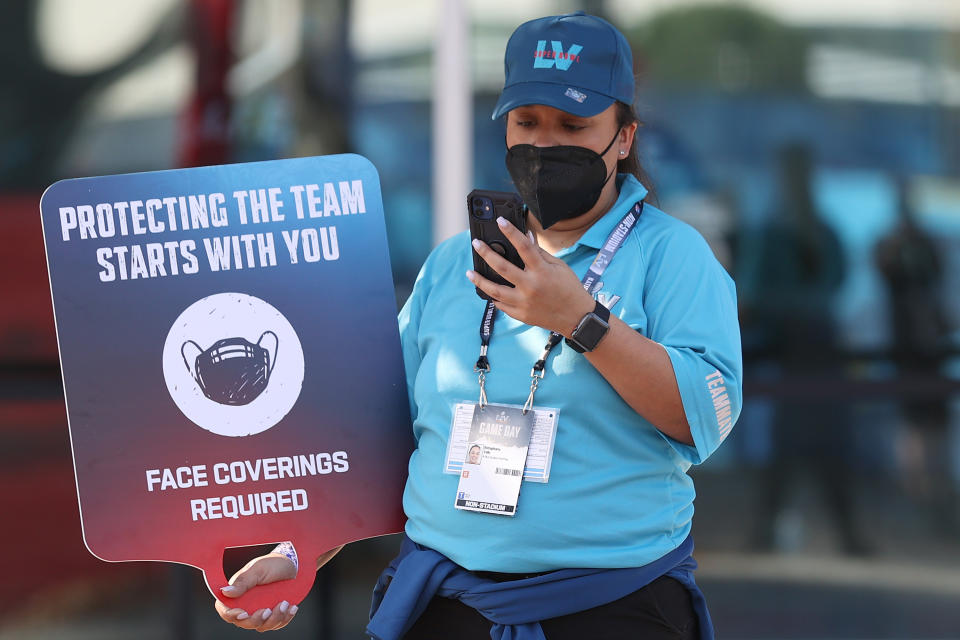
(626, 115)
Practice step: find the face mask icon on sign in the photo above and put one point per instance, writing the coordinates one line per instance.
(233, 371)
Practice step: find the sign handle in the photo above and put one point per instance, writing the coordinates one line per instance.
(265, 595)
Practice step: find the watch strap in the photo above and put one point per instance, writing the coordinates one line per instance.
(601, 312)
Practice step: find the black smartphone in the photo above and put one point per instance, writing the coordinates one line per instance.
(483, 209)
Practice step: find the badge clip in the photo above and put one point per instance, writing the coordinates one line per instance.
(535, 378)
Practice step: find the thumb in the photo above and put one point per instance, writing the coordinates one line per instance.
(244, 580)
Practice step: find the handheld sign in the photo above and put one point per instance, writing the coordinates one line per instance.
(231, 361)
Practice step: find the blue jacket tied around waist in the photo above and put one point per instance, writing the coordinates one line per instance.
(515, 607)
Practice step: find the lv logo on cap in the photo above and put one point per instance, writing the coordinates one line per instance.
(544, 59)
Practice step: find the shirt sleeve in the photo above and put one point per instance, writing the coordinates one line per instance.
(409, 322)
(691, 306)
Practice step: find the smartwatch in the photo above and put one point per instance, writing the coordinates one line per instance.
(591, 330)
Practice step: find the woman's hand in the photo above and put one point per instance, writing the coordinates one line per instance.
(263, 570)
(547, 293)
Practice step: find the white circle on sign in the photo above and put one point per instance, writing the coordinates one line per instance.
(233, 364)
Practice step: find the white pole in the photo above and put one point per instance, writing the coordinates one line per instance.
(452, 120)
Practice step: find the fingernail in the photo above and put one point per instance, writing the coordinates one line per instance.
(532, 238)
(243, 616)
(476, 243)
(284, 606)
(501, 221)
(266, 613)
(294, 609)
(228, 589)
(470, 274)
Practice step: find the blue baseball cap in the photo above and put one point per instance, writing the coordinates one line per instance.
(576, 62)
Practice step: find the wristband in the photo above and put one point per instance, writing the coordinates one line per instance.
(286, 549)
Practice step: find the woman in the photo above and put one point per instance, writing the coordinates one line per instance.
(646, 382)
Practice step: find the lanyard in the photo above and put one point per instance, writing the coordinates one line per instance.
(590, 281)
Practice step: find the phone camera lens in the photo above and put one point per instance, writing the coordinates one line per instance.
(482, 208)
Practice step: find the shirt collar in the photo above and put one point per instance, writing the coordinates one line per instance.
(631, 192)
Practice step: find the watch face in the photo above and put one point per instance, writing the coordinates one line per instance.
(592, 328)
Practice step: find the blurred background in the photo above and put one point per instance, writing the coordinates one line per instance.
(816, 146)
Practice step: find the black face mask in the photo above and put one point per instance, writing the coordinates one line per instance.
(233, 371)
(558, 183)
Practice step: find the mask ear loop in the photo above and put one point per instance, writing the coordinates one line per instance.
(604, 152)
(276, 349)
(190, 370)
(612, 140)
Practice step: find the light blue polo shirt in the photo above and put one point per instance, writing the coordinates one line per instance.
(619, 494)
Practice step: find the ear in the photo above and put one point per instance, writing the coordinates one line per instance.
(628, 134)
